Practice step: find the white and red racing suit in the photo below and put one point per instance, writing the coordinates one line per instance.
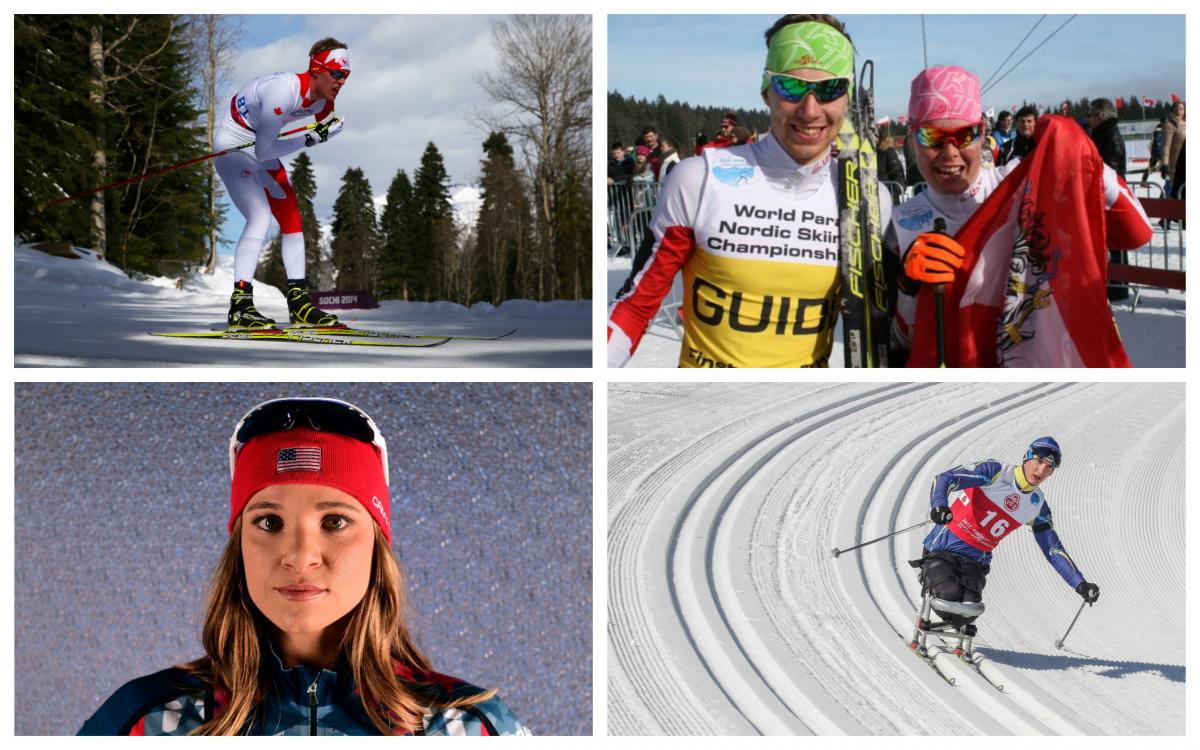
(254, 176)
(756, 237)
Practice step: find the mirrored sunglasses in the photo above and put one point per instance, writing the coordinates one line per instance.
(934, 137)
(794, 89)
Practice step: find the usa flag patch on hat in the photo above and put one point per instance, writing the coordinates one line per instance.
(297, 459)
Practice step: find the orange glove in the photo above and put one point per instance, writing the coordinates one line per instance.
(933, 258)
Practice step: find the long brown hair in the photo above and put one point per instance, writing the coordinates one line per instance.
(375, 643)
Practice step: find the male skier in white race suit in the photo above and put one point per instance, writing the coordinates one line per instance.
(258, 184)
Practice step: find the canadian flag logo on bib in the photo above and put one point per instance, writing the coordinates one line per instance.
(1012, 502)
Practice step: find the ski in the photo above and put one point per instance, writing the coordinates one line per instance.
(974, 665)
(865, 328)
(375, 333)
(925, 657)
(275, 334)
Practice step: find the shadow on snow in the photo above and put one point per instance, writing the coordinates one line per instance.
(1102, 667)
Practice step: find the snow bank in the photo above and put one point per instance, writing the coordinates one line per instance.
(87, 312)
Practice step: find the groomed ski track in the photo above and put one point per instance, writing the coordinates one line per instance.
(729, 615)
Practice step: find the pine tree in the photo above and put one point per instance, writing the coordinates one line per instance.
(502, 231)
(450, 284)
(677, 120)
(395, 241)
(431, 198)
(270, 265)
(304, 183)
(51, 128)
(161, 224)
(573, 236)
(104, 97)
(355, 232)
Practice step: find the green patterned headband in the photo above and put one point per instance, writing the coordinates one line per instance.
(810, 45)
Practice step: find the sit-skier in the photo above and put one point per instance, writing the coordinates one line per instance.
(976, 506)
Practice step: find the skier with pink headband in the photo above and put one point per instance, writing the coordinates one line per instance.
(258, 184)
(946, 120)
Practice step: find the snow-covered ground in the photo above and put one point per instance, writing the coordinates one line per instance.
(85, 312)
(729, 615)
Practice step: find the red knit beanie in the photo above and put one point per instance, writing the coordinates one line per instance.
(305, 456)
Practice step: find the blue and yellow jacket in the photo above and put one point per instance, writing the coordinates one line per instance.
(998, 480)
(300, 701)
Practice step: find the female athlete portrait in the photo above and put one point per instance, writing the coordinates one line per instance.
(306, 628)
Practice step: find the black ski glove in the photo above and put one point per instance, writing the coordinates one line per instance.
(1089, 591)
(324, 131)
(941, 514)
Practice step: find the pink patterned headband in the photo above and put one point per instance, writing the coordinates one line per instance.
(944, 93)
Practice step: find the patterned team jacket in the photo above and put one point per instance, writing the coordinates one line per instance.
(989, 501)
(301, 701)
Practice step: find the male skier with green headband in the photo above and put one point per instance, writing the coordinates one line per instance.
(754, 228)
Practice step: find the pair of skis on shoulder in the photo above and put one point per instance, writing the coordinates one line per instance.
(334, 335)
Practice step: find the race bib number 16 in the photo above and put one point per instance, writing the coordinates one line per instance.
(978, 521)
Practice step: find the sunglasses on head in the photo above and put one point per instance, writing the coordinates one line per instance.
(934, 137)
(794, 89)
(320, 414)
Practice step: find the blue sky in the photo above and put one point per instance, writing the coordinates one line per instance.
(415, 80)
(717, 60)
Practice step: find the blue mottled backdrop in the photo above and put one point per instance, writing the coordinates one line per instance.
(122, 496)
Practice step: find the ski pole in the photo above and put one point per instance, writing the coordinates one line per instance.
(939, 316)
(1059, 642)
(939, 304)
(837, 551)
(43, 206)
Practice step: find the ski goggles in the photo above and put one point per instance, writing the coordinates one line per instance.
(1044, 454)
(320, 414)
(793, 89)
(930, 136)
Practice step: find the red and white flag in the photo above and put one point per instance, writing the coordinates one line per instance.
(1031, 291)
(1147, 101)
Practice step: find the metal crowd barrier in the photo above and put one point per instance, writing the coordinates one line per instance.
(898, 190)
(630, 208)
(1162, 264)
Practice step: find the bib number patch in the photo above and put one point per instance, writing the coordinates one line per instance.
(978, 521)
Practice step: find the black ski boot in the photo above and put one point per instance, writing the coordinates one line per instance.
(242, 315)
(301, 312)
